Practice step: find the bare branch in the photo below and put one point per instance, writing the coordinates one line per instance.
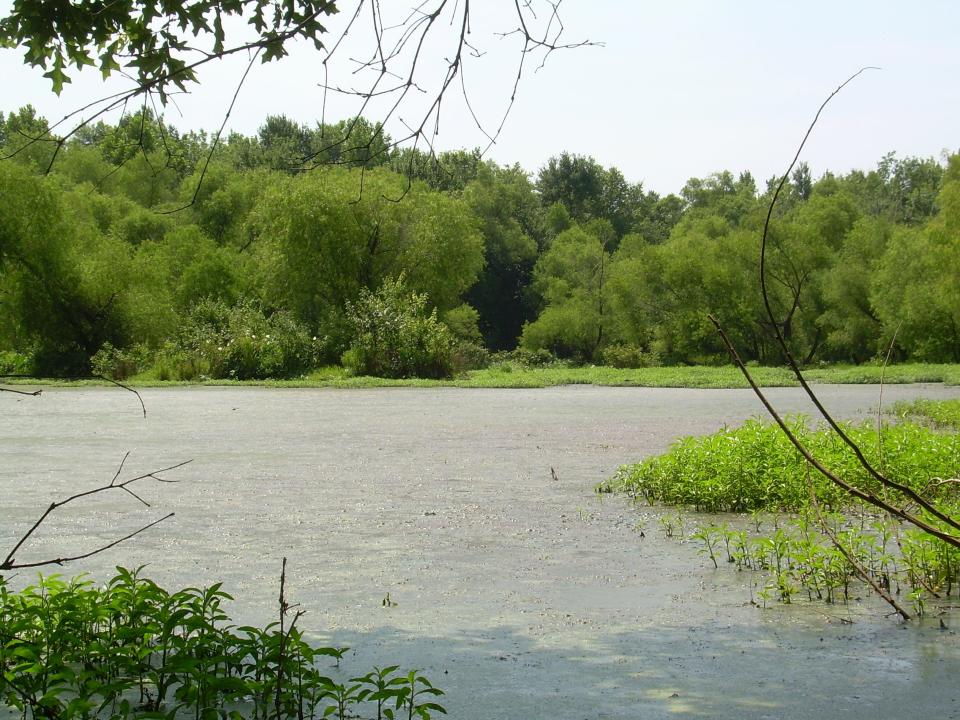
(857, 492)
(33, 393)
(886, 482)
(855, 563)
(104, 378)
(10, 563)
(70, 558)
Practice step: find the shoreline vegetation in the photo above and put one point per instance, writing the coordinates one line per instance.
(809, 536)
(513, 375)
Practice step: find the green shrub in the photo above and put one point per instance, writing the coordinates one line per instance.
(14, 363)
(394, 336)
(470, 356)
(239, 342)
(117, 363)
(131, 649)
(620, 355)
(464, 324)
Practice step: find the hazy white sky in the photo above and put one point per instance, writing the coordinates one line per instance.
(679, 89)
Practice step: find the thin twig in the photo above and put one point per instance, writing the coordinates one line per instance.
(10, 563)
(857, 492)
(72, 378)
(883, 372)
(788, 355)
(83, 556)
(851, 558)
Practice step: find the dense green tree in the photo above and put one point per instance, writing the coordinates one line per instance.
(23, 139)
(571, 277)
(62, 279)
(91, 258)
(509, 212)
(449, 171)
(854, 332)
(284, 143)
(320, 241)
(705, 267)
(735, 200)
(660, 215)
(222, 203)
(591, 192)
(916, 286)
(356, 143)
(900, 191)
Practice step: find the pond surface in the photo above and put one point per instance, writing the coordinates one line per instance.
(523, 596)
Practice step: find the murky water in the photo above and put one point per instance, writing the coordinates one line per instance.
(521, 595)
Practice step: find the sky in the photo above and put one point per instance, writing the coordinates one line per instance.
(676, 90)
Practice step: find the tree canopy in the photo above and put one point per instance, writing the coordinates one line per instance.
(577, 262)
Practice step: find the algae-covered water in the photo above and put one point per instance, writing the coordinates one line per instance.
(517, 590)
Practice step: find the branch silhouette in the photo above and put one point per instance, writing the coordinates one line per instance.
(949, 536)
(10, 562)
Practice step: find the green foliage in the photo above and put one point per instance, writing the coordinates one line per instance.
(469, 352)
(133, 649)
(571, 277)
(798, 557)
(720, 195)
(915, 287)
(55, 275)
(323, 241)
(583, 264)
(755, 467)
(154, 42)
(620, 355)
(395, 336)
(588, 191)
(14, 363)
(944, 413)
(239, 342)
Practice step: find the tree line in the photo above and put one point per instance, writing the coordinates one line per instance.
(134, 246)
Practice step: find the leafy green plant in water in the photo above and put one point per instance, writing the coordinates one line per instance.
(755, 468)
(943, 413)
(413, 697)
(343, 696)
(381, 685)
(710, 537)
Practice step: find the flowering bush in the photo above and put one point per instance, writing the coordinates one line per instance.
(394, 336)
(240, 342)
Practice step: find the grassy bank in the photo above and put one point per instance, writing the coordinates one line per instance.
(518, 376)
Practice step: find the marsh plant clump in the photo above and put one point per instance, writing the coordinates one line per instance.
(828, 541)
(796, 558)
(939, 413)
(131, 649)
(755, 467)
